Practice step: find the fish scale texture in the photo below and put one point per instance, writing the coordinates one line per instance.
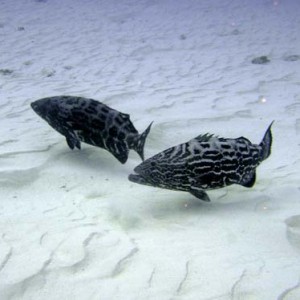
(86, 120)
(204, 163)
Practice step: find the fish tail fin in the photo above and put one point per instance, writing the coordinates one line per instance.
(266, 143)
(140, 143)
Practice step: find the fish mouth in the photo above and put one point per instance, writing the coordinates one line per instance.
(33, 106)
(137, 178)
(134, 178)
(36, 108)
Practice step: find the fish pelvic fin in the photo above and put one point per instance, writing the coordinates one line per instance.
(266, 143)
(140, 142)
(200, 194)
(73, 142)
(121, 157)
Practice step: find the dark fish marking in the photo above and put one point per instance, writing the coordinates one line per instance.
(98, 124)
(86, 120)
(225, 146)
(91, 110)
(204, 163)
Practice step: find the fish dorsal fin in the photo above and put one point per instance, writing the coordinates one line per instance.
(248, 180)
(204, 137)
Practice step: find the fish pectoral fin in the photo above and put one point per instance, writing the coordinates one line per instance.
(248, 180)
(200, 194)
(73, 142)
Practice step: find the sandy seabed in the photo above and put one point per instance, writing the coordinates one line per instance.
(71, 224)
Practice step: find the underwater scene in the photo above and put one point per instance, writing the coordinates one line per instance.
(149, 149)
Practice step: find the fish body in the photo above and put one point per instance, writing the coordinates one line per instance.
(86, 120)
(204, 163)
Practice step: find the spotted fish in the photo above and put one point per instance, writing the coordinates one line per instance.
(86, 120)
(204, 163)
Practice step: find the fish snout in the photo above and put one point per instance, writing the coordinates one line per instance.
(39, 107)
(139, 175)
(36, 107)
(136, 178)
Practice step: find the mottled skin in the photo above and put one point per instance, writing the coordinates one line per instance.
(204, 163)
(86, 120)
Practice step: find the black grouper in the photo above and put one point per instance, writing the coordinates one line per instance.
(86, 120)
(204, 163)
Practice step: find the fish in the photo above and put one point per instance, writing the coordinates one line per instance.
(204, 163)
(87, 120)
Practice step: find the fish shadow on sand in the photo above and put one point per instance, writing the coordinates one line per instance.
(293, 231)
(88, 158)
(166, 205)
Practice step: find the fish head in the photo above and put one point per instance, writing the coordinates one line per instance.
(152, 172)
(41, 107)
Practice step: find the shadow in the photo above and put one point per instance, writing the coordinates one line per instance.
(90, 158)
(169, 205)
(293, 231)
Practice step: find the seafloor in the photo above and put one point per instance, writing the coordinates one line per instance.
(71, 224)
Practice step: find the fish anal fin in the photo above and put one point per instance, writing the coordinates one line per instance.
(119, 151)
(121, 157)
(200, 194)
(248, 180)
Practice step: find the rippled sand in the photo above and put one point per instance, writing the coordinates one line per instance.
(71, 224)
